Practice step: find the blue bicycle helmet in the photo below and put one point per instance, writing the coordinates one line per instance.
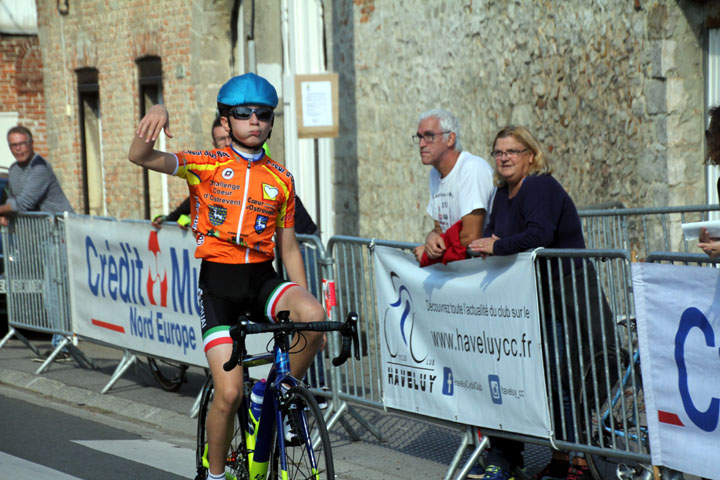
(247, 89)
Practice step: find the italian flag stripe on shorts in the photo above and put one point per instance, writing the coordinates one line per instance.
(217, 336)
(274, 298)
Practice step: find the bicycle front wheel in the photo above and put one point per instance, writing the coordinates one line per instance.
(308, 454)
(236, 462)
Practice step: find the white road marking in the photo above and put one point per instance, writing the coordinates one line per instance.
(20, 469)
(161, 455)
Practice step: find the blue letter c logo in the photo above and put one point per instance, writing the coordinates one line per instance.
(694, 318)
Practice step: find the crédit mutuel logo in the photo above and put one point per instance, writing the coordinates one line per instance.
(410, 367)
(157, 286)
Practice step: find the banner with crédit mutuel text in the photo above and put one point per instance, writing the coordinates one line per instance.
(134, 286)
(462, 341)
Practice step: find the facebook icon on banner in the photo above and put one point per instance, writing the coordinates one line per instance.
(495, 393)
(448, 382)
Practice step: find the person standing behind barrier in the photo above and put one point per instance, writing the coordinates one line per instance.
(461, 188)
(531, 210)
(181, 214)
(711, 246)
(32, 184)
(33, 187)
(240, 201)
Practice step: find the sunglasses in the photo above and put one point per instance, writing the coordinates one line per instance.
(263, 114)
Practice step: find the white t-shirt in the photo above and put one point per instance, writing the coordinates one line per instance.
(467, 187)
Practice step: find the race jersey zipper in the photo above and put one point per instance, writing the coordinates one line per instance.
(242, 212)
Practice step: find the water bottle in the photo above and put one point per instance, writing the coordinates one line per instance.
(256, 401)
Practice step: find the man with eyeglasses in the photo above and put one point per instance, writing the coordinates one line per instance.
(461, 188)
(181, 214)
(33, 187)
(32, 184)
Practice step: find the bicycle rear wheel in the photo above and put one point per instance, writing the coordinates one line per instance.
(169, 375)
(236, 463)
(619, 423)
(308, 455)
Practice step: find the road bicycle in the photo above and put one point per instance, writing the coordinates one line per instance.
(270, 451)
(620, 422)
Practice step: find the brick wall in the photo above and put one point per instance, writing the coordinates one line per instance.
(21, 85)
(110, 37)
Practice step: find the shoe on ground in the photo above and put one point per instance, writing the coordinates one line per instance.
(555, 470)
(493, 472)
(579, 472)
(321, 401)
(62, 357)
(477, 471)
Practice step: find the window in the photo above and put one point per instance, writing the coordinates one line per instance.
(91, 145)
(155, 196)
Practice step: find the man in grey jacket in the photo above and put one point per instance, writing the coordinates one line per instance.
(33, 187)
(32, 184)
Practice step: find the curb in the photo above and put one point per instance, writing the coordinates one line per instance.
(129, 410)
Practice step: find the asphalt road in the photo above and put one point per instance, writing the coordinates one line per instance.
(40, 438)
(138, 410)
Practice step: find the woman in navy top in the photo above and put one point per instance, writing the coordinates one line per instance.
(531, 209)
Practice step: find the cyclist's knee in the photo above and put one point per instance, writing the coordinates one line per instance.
(313, 312)
(305, 308)
(227, 397)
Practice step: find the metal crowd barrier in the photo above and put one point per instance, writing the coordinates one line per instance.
(590, 344)
(590, 314)
(641, 230)
(587, 311)
(36, 282)
(693, 259)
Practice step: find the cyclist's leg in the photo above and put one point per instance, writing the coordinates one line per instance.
(222, 291)
(303, 308)
(228, 393)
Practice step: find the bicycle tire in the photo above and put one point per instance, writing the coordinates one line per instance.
(314, 447)
(621, 414)
(236, 463)
(170, 376)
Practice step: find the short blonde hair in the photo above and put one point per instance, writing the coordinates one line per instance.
(540, 165)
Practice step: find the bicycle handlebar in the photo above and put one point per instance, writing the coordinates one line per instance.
(348, 330)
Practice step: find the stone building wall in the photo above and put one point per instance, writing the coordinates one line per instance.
(613, 89)
(21, 85)
(192, 40)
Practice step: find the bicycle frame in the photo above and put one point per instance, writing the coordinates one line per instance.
(279, 379)
(252, 455)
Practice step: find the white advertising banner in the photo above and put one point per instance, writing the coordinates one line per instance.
(462, 341)
(678, 318)
(135, 287)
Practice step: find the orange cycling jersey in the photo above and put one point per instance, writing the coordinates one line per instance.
(236, 204)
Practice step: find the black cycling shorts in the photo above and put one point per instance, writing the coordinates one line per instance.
(226, 291)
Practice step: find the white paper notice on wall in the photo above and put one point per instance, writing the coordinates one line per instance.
(317, 105)
(692, 230)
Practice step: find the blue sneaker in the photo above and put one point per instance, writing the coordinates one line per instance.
(493, 472)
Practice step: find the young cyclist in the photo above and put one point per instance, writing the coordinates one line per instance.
(240, 198)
